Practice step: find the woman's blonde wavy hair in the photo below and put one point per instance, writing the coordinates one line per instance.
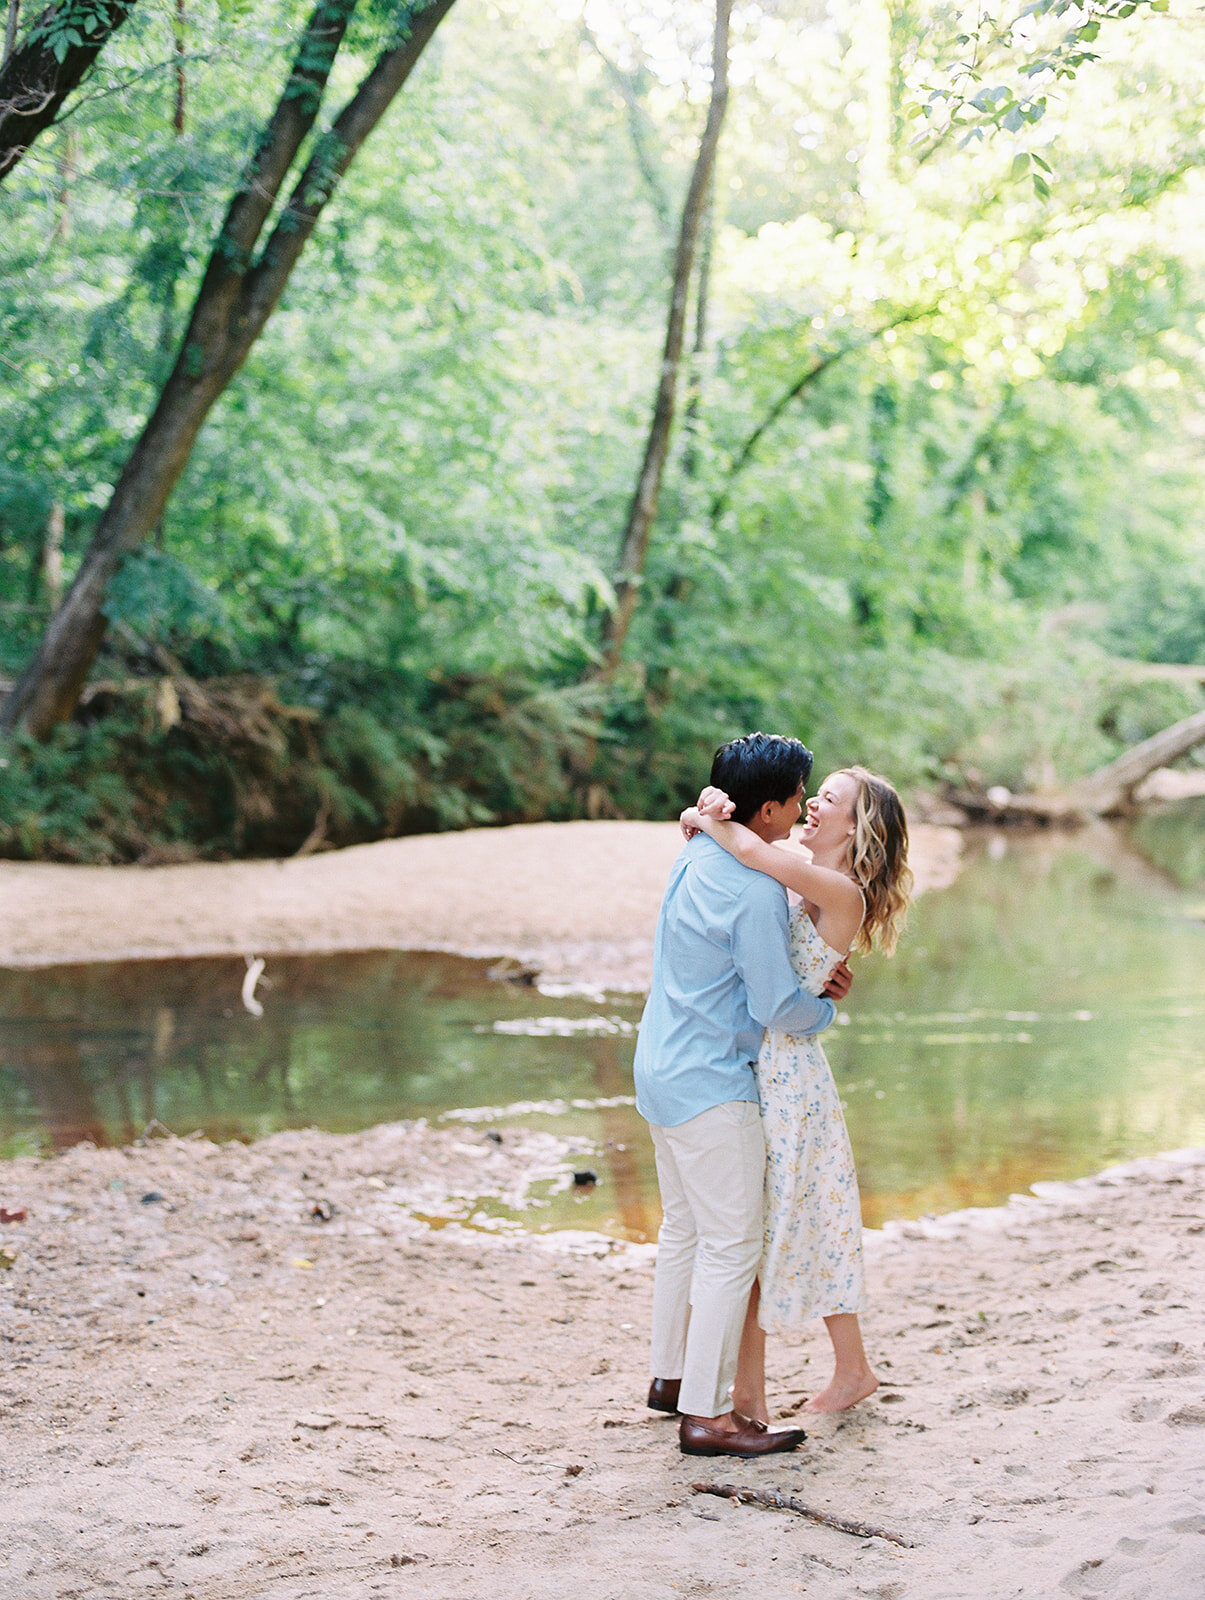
(880, 861)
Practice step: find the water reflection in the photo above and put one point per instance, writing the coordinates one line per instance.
(1173, 837)
(1042, 1019)
(45, 1061)
(344, 1041)
(628, 1150)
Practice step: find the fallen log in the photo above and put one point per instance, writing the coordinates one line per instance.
(1107, 792)
(1111, 788)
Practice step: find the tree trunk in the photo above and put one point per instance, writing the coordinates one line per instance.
(10, 31)
(694, 382)
(232, 306)
(67, 177)
(639, 127)
(52, 555)
(34, 82)
(634, 549)
(181, 80)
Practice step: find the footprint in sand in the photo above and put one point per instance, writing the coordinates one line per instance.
(1170, 1564)
(1189, 1416)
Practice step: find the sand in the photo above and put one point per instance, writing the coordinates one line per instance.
(261, 1371)
(577, 900)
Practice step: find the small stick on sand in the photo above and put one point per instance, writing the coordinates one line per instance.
(784, 1502)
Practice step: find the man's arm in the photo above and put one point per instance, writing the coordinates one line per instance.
(759, 953)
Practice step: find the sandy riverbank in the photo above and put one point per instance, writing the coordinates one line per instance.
(578, 900)
(240, 1372)
(217, 1394)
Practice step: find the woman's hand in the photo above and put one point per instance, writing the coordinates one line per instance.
(714, 806)
(689, 822)
(715, 803)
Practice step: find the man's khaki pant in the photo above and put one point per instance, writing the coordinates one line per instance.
(711, 1172)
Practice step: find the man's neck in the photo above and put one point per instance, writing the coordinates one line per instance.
(764, 831)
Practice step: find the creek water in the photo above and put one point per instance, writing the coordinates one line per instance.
(1045, 1016)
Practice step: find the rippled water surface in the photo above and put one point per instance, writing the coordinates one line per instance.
(1044, 1017)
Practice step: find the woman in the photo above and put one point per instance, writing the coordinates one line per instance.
(853, 894)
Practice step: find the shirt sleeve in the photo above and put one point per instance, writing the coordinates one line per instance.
(760, 942)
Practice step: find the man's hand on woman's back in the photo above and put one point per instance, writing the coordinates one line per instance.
(839, 981)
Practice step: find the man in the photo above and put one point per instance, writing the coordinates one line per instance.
(721, 976)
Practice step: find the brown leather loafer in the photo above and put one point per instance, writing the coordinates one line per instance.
(697, 1437)
(663, 1395)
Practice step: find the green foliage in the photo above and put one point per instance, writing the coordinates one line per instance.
(1034, 55)
(63, 798)
(941, 463)
(1135, 711)
(164, 769)
(1161, 616)
(156, 597)
(70, 23)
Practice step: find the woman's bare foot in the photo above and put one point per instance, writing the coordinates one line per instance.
(842, 1392)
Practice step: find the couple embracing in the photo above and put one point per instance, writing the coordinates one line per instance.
(762, 1227)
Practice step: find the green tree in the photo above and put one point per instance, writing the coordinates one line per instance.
(935, 443)
(237, 295)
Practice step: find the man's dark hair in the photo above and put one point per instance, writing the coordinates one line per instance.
(757, 768)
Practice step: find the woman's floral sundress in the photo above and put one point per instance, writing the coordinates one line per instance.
(812, 1258)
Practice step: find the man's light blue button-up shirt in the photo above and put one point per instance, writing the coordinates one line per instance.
(721, 976)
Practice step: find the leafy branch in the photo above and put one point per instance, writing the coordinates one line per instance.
(57, 53)
(965, 102)
(796, 389)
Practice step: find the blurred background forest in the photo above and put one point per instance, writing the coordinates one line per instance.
(934, 489)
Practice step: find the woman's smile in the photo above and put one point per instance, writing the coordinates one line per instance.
(830, 811)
